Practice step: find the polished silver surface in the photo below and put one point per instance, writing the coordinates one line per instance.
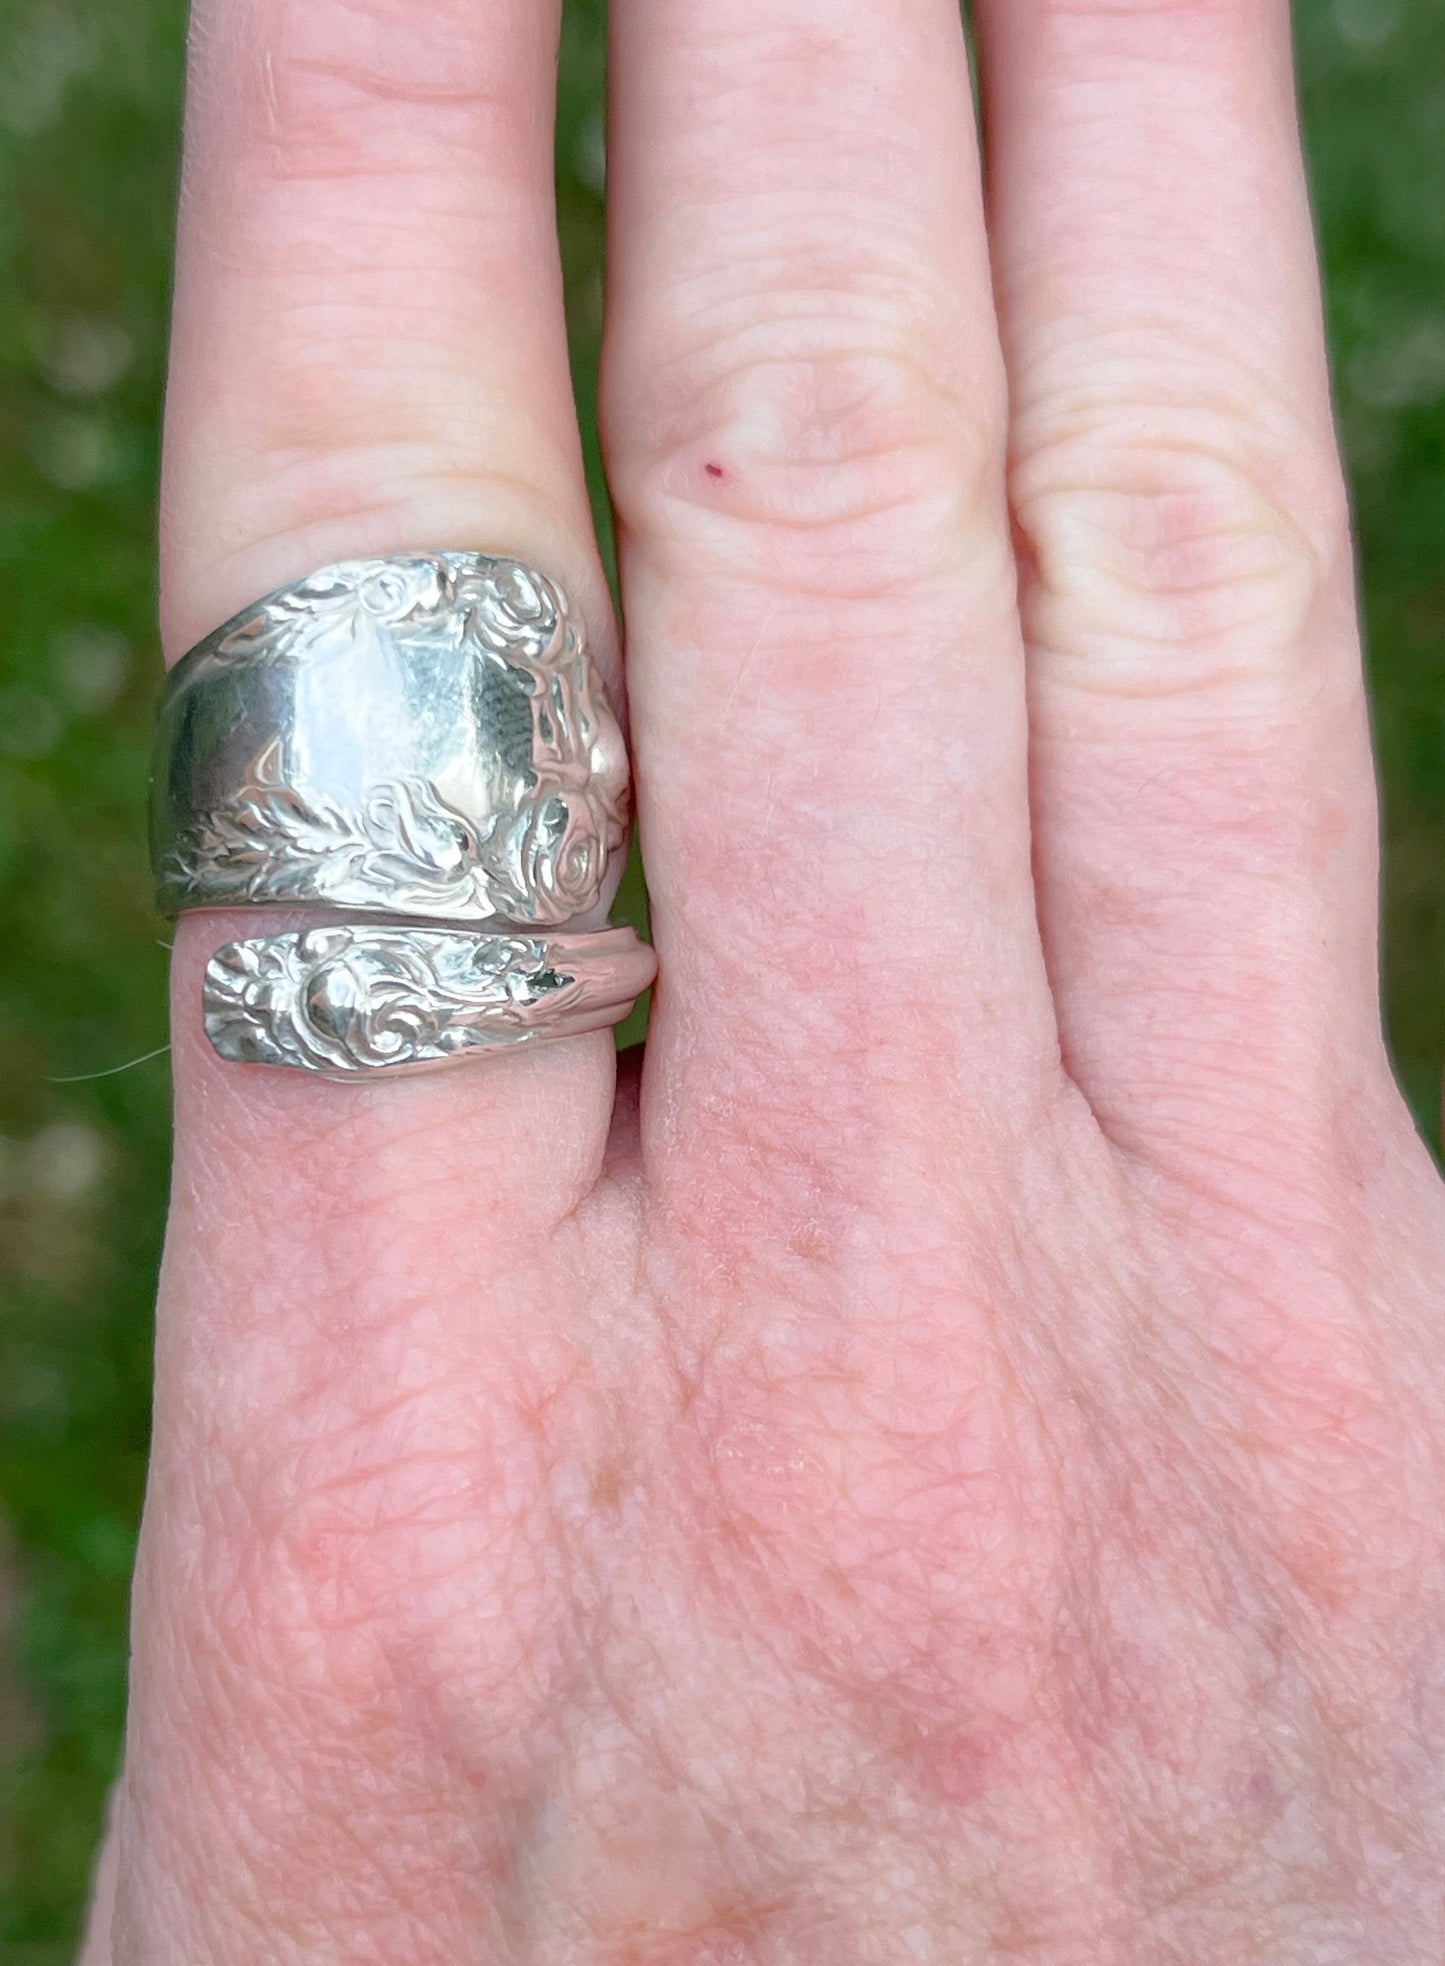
(420, 735)
(356, 999)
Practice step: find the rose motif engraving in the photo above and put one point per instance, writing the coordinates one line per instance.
(560, 855)
(516, 608)
(351, 998)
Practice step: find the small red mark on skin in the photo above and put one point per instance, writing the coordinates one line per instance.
(713, 470)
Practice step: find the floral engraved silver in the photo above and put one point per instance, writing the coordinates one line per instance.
(356, 998)
(424, 734)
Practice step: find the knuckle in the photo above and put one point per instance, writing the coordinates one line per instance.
(360, 1540)
(348, 87)
(310, 502)
(341, 498)
(814, 452)
(1173, 547)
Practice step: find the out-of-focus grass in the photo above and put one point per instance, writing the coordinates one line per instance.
(89, 110)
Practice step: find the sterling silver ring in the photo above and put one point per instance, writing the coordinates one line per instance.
(354, 999)
(424, 736)
(421, 735)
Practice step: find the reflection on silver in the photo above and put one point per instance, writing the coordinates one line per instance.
(423, 734)
(355, 999)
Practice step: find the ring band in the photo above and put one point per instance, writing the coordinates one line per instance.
(355, 999)
(424, 734)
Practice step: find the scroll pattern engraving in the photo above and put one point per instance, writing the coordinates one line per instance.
(275, 843)
(349, 999)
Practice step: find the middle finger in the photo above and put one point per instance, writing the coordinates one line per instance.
(805, 416)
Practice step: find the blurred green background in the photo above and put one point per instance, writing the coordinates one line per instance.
(89, 121)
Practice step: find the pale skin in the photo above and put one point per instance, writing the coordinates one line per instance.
(947, 1464)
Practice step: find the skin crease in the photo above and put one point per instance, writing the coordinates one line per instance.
(945, 1463)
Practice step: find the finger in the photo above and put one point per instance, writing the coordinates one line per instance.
(804, 433)
(1203, 797)
(95, 1945)
(369, 349)
(369, 355)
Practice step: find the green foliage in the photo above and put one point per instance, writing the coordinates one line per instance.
(1373, 80)
(89, 116)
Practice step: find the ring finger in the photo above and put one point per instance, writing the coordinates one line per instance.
(369, 355)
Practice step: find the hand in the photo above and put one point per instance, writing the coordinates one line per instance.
(950, 1465)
